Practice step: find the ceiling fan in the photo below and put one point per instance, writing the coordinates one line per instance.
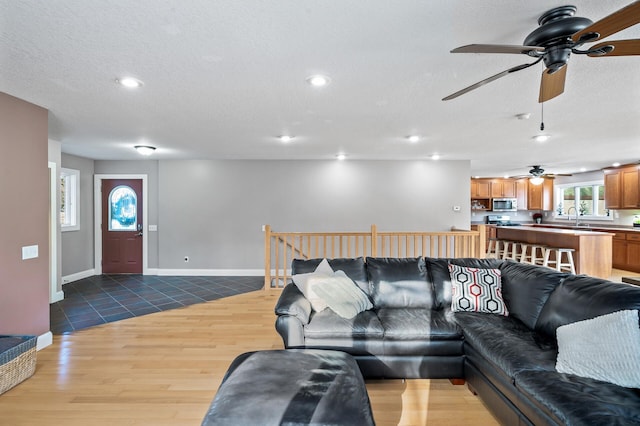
(558, 36)
(537, 175)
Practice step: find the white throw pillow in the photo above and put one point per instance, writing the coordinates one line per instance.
(306, 282)
(605, 348)
(476, 290)
(342, 295)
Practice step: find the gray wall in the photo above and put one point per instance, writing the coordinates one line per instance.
(77, 246)
(213, 211)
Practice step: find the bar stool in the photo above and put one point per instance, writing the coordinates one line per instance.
(495, 247)
(559, 264)
(533, 254)
(509, 250)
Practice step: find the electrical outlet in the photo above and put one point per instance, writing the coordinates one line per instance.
(186, 259)
(456, 208)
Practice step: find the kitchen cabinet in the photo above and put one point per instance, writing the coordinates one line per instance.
(612, 189)
(622, 188)
(480, 188)
(540, 197)
(630, 196)
(480, 194)
(503, 188)
(522, 190)
(626, 251)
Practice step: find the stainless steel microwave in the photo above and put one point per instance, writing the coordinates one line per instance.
(505, 204)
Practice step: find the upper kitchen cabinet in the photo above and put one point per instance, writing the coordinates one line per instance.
(480, 188)
(522, 190)
(622, 187)
(503, 188)
(540, 197)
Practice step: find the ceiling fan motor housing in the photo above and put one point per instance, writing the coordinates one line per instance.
(554, 33)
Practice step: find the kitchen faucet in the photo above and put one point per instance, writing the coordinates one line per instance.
(576, 211)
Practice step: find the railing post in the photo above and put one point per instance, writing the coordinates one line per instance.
(482, 241)
(374, 241)
(267, 257)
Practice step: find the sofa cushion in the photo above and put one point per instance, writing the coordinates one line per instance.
(355, 269)
(574, 400)
(342, 295)
(412, 324)
(581, 297)
(476, 290)
(507, 343)
(606, 348)
(438, 275)
(526, 288)
(327, 324)
(307, 282)
(399, 283)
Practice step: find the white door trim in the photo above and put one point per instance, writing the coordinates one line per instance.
(97, 199)
(54, 294)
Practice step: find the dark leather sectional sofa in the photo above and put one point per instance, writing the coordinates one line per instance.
(509, 361)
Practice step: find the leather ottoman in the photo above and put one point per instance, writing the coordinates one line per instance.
(294, 386)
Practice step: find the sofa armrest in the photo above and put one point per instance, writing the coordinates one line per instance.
(293, 303)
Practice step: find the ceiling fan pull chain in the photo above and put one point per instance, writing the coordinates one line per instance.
(542, 116)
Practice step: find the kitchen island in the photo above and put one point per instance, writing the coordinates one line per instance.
(592, 254)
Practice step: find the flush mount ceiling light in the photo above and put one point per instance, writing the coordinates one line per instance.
(318, 80)
(145, 149)
(285, 138)
(129, 82)
(537, 180)
(523, 116)
(413, 138)
(541, 138)
(616, 164)
(341, 157)
(435, 157)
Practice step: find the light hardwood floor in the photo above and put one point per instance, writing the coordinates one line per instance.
(164, 369)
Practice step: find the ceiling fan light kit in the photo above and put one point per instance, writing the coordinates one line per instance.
(538, 180)
(560, 34)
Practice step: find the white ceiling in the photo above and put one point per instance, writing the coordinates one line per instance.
(223, 78)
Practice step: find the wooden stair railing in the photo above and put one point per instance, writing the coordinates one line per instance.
(282, 247)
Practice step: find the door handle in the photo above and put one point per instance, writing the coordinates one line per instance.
(139, 234)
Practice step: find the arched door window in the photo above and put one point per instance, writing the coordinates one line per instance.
(123, 209)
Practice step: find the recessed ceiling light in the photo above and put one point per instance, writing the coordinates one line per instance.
(616, 164)
(145, 149)
(583, 169)
(541, 138)
(523, 116)
(413, 138)
(285, 138)
(506, 176)
(129, 82)
(318, 80)
(341, 157)
(435, 157)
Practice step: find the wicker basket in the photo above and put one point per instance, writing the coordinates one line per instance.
(17, 360)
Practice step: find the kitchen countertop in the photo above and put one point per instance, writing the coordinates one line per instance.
(558, 230)
(610, 228)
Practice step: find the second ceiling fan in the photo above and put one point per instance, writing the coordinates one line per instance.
(558, 36)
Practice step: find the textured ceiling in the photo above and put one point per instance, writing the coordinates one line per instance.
(223, 78)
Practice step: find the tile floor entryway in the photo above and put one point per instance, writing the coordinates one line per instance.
(106, 298)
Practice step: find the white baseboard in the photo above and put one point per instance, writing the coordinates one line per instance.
(210, 272)
(58, 296)
(78, 276)
(44, 340)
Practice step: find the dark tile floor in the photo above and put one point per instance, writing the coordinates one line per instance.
(107, 298)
